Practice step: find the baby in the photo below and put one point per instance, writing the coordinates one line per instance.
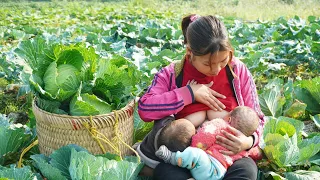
(203, 157)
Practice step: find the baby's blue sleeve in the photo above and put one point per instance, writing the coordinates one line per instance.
(201, 165)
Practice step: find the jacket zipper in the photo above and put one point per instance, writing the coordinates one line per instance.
(235, 92)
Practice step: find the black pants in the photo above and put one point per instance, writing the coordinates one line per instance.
(242, 169)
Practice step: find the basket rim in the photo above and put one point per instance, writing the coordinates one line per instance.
(128, 106)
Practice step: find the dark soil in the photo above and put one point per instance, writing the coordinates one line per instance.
(310, 126)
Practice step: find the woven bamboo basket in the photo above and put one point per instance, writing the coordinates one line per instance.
(56, 130)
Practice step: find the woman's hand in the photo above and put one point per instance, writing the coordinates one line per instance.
(203, 94)
(192, 82)
(235, 142)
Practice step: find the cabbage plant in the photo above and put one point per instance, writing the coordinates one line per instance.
(73, 79)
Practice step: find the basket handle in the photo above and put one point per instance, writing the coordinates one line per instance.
(95, 135)
(25, 151)
(118, 135)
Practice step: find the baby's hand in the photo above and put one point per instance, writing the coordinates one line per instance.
(192, 82)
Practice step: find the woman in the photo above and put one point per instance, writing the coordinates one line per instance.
(223, 82)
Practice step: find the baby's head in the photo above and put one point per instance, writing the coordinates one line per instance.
(176, 135)
(244, 119)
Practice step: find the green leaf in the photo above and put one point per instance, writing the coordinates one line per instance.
(296, 110)
(34, 77)
(311, 19)
(283, 125)
(273, 138)
(89, 67)
(50, 79)
(67, 81)
(64, 71)
(141, 128)
(271, 100)
(23, 173)
(314, 168)
(87, 166)
(119, 46)
(119, 70)
(12, 141)
(116, 79)
(291, 151)
(288, 93)
(50, 172)
(61, 158)
(68, 88)
(276, 35)
(316, 120)
(80, 108)
(110, 156)
(304, 96)
(313, 134)
(313, 87)
(282, 146)
(284, 128)
(86, 105)
(57, 165)
(4, 121)
(72, 57)
(97, 103)
(35, 82)
(308, 148)
(298, 125)
(302, 175)
(167, 53)
(273, 154)
(274, 175)
(121, 170)
(282, 150)
(50, 106)
(36, 54)
(17, 34)
(315, 159)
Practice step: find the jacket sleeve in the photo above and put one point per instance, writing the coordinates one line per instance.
(250, 99)
(162, 98)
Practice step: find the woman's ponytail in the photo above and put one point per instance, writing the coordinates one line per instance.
(185, 24)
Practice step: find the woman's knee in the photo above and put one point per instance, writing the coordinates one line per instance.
(146, 171)
(170, 172)
(244, 168)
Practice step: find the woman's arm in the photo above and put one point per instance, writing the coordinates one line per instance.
(162, 98)
(250, 99)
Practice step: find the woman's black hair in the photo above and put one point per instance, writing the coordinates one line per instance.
(176, 136)
(205, 34)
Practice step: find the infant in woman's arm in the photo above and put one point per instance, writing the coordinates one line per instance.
(207, 162)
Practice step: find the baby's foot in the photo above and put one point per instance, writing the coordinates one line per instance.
(164, 153)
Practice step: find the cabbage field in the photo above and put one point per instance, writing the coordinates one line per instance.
(93, 60)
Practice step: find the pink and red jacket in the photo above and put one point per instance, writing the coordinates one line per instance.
(164, 98)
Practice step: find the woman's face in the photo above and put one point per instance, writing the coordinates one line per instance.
(211, 68)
